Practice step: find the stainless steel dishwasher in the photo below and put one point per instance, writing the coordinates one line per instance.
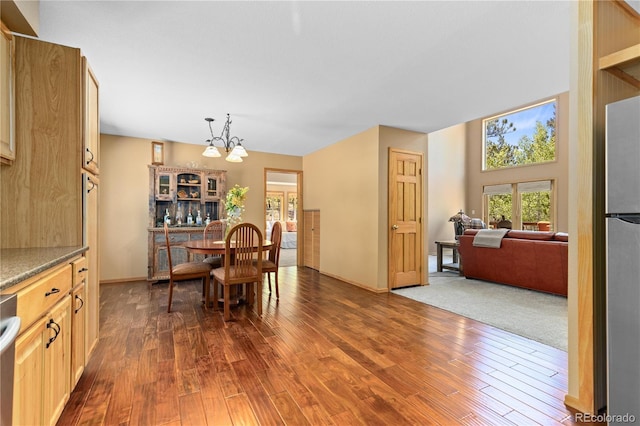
(9, 328)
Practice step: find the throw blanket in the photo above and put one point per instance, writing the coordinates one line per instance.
(491, 238)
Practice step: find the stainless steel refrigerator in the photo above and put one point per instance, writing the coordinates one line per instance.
(623, 259)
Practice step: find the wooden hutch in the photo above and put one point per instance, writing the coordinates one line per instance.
(178, 191)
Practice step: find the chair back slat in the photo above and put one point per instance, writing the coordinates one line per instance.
(214, 230)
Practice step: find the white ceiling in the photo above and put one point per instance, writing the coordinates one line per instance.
(296, 76)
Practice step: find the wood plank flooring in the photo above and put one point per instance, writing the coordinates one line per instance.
(326, 353)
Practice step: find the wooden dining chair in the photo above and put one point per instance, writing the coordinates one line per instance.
(241, 244)
(186, 271)
(214, 231)
(272, 262)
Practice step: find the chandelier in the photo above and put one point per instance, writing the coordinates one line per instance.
(232, 144)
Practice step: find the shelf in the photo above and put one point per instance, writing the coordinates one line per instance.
(624, 64)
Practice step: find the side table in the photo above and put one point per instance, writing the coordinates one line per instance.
(457, 261)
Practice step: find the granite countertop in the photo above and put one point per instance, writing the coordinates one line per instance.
(18, 264)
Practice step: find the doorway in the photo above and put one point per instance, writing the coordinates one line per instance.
(283, 203)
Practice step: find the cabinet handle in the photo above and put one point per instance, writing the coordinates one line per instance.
(83, 270)
(53, 291)
(81, 304)
(56, 329)
(93, 185)
(91, 159)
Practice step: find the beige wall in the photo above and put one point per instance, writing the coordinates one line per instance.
(124, 192)
(347, 182)
(447, 185)
(558, 170)
(341, 181)
(391, 137)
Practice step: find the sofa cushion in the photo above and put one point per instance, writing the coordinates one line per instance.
(531, 235)
(561, 236)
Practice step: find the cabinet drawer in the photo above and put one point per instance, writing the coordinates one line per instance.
(36, 299)
(79, 270)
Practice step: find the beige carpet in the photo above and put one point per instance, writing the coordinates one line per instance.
(287, 257)
(535, 315)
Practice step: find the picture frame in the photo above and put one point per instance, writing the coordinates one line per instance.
(157, 153)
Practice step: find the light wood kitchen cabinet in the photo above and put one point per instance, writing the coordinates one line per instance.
(78, 322)
(49, 202)
(41, 192)
(7, 96)
(91, 120)
(43, 349)
(311, 245)
(57, 361)
(91, 224)
(28, 374)
(78, 319)
(57, 109)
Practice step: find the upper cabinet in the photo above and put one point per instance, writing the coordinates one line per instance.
(7, 94)
(181, 191)
(55, 116)
(91, 120)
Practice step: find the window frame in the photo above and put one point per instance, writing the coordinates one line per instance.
(516, 201)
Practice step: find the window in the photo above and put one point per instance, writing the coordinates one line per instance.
(524, 136)
(521, 205)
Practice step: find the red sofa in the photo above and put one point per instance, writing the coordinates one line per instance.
(530, 259)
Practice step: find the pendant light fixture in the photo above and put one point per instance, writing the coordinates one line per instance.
(231, 144)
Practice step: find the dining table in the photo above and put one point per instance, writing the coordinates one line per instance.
(210, 247)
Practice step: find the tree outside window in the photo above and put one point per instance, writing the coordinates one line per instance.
(525, 136)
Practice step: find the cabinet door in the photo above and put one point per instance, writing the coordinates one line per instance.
(165, 186)
(93, 273)
(44, 183)
(211, 187)
(57, 360)
(91, 120)
(78, 320)
(7, 111)
(28, 376)
(311, 244)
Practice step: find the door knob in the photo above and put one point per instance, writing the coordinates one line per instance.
(394, 227)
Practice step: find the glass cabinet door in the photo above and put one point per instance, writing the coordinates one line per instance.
(212, 187)
(165, 186)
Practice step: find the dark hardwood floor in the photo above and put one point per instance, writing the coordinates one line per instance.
(326, 353)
